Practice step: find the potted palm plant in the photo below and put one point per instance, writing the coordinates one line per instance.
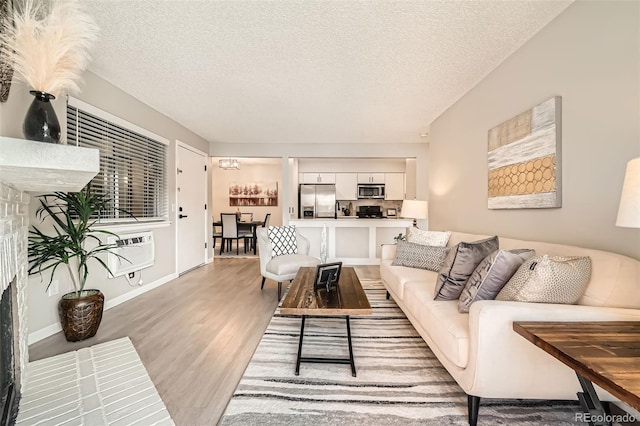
(73, 243)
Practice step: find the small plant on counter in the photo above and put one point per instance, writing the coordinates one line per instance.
(399, 237)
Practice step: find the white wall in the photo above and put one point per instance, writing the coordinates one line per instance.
(350, 165)
(43, 315)
(589, 55)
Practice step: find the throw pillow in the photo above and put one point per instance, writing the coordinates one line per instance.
(419, 256)
(283, 240)
(491, 275)
(460, 263)
(427, 238)
(549, 279)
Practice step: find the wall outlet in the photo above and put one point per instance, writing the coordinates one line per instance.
(53, 288)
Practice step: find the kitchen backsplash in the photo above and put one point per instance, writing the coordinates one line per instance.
(384, 205)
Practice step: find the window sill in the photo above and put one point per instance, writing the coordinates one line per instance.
(132, 226)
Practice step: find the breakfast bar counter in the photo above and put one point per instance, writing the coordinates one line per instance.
(352, 240)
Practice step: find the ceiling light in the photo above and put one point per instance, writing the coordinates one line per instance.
(229, 164)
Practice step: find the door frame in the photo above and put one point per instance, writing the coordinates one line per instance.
(176, 210)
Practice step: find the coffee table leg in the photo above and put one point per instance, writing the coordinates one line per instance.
(591, 403)
(353, 364)
(300, 346)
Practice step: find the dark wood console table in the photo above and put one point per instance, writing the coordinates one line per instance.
(606, 353)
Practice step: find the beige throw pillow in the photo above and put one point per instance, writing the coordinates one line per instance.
(549, 279)
(427, 238)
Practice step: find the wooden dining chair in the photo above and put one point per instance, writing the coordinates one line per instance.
(265, 224)
(246, 217)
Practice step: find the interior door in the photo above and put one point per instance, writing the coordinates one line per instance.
(191, 212)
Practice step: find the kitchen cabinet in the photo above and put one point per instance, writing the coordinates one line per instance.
(370, 177)
(346, 186)
(394, 186)
(317, 178)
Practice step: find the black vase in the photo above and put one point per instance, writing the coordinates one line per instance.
(41, 123)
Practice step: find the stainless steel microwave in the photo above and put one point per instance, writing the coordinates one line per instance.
(370, 191)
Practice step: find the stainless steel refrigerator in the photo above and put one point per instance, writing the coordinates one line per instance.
(317, 201)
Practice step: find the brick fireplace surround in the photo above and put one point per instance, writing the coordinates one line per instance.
(27, 166)
(14, 224)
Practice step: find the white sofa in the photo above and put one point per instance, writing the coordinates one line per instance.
(480, 349)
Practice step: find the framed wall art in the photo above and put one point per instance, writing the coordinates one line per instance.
(524, 159)
(253, 194)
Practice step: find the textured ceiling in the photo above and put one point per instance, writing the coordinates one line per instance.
(308, 71)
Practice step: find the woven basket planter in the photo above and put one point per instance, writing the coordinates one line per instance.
(80, 316)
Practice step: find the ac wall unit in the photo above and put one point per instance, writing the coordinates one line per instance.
(138, 249)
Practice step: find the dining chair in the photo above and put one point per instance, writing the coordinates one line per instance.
(246, 217)
(265, 224)
(230, 232)
(215, 235)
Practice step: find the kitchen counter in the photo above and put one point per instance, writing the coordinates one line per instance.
(352, 240)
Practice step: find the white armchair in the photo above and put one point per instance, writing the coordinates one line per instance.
(285, 267)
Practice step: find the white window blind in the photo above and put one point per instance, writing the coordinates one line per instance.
(133, 164)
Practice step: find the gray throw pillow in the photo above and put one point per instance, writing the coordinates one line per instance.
(419, 256)
(491, 275)
(460, 263)
(549, 279)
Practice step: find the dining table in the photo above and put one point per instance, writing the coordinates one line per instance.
(250, 225)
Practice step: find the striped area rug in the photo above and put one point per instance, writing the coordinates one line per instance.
(399, 379)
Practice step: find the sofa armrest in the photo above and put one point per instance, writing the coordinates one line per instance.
(388, 251)
(494, 344)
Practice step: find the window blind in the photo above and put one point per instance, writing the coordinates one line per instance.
(133, 166)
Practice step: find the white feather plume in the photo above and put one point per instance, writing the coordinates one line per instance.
(47, 43)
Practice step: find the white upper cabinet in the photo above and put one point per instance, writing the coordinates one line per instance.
(394, 186)
(317, 178)
(346, 186)
(371, 177)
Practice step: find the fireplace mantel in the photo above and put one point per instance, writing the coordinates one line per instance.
(44, 167)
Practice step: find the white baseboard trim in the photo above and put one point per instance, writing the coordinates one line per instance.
(52, 329)
(209, 260)
(43, 333)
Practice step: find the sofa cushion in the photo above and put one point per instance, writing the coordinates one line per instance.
(420, 256)
(290, 263)
(395, 277)
(491, 275)
(448, 328)
(427, 238)
(549, 279)
(460, 263)
(283, 240)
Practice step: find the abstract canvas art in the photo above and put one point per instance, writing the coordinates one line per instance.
(253, 194)
(524, 158)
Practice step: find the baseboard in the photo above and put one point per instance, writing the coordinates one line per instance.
(52, 329)
(138, 291)
(209, 260)
(43, 333)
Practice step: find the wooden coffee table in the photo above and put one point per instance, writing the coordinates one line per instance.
(347, 299)
(606, 353)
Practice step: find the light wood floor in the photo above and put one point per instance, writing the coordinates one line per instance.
(195, 335)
